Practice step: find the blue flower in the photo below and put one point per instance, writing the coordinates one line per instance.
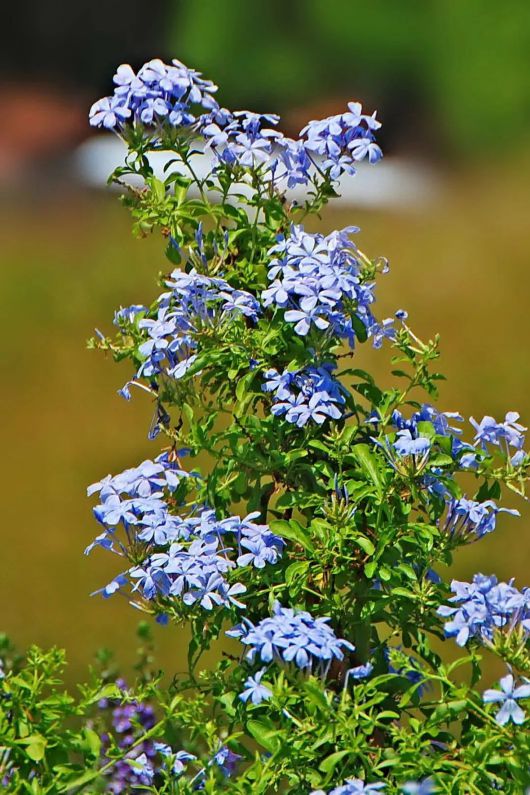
(128, 315)
(425, 787)
(359, 672)
(407, 444)
(194, 302)
(142, 768)
(304, 318)
(353, 786)
(254, 690)
(178, 761)
(109, 112)
(226, 760)
(508, 696)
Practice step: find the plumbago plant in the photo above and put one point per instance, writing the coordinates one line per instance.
(297, 513)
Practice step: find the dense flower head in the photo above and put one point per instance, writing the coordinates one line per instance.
(342, 140)
(186, 558)
(241, 138)
(292, 636)
(193, 303)
(304, 395)
(467, 519)
(483, 607)
(317, 280)
(136, 498)
(157, 92)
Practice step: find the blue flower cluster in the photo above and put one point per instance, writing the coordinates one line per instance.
(304, 395)
(292, 636)
(143, 508)
(195, 573)
(317, 280)
(240, 138)
(509, 433)
(484, 607)
(343, 140)
(353, 786)
(197, 549)
(410, 441)
(467, 518)
(172, 94)
(194, 303)
(247, 139)
(414, 441)
(440, 420)
(158, 92)
(508, 696)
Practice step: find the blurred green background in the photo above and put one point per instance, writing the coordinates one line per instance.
(452, 82)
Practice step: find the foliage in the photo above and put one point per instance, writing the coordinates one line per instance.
(296, 507)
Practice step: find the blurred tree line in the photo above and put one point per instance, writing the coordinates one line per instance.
(452, 74)
(456, 72)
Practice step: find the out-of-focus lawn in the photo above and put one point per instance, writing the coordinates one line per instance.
(460, 267)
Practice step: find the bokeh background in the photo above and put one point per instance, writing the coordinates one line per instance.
(448, 206)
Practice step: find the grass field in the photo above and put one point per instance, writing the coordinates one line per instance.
(460, 267)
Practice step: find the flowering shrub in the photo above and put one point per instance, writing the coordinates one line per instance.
(299, 517)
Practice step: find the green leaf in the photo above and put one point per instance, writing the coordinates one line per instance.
(188, 412)
(359, 328)
(318, 445)
(368, 463)
(365, 544)
(316, 695)
(293, 531)
(35, 746)
(385, 574)
(93, 741)
(107, 691)
(370, 568)
(296, 570)
(330, 762)
(89, 775)
(158, 188)
(450, 710)
(266, 734)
